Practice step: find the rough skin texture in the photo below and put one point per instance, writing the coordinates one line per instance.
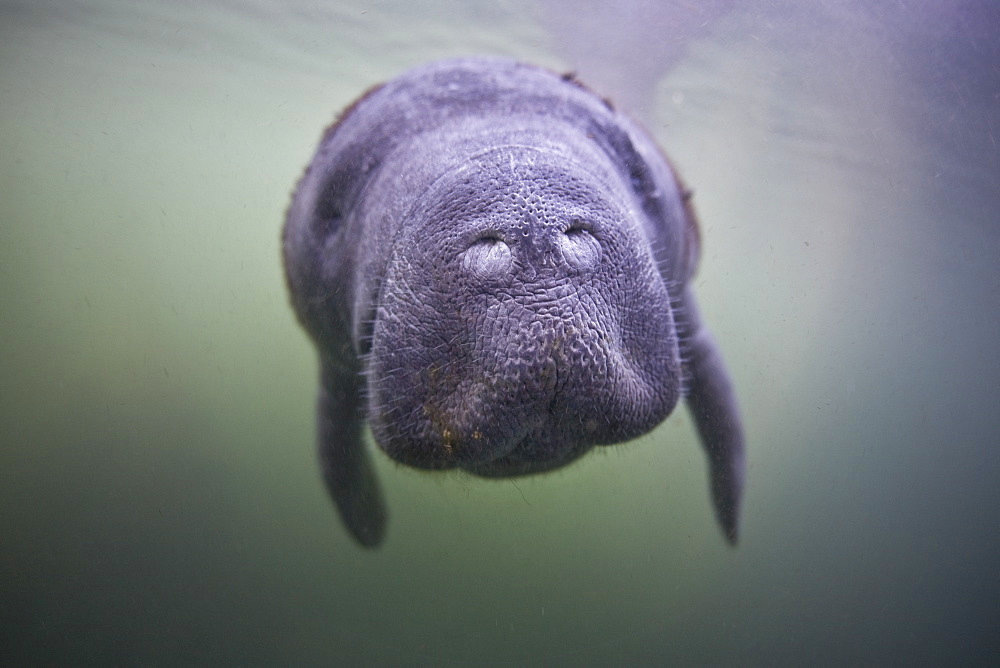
(494, 266)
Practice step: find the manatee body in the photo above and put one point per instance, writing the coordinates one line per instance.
(495, 268)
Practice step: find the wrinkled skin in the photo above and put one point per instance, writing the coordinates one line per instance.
(494, 267)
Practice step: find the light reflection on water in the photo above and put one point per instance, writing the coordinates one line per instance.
(160, 497)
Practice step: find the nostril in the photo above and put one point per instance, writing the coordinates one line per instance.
(489, 238)
(580, 248)
(488, 257)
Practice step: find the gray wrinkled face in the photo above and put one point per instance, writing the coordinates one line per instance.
(520, 321)
(495, 266)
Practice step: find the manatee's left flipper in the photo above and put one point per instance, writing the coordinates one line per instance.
(347, 468)
(712, 402)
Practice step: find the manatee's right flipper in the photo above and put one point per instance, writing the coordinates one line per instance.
(712, 402)
(346, 466)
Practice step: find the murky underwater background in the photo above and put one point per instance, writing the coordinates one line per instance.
(160, 501)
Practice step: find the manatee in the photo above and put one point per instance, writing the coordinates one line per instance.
(495, 267)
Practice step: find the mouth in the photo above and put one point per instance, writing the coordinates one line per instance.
(530, 451)
(536, 453)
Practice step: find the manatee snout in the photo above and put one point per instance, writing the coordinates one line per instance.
(536, 393)
(527, 346)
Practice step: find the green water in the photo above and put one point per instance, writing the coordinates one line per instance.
(160, 502)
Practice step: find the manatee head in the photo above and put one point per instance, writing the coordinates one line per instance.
(495, 266)
(521, 318)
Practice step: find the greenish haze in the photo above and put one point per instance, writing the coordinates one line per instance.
(160, 502)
